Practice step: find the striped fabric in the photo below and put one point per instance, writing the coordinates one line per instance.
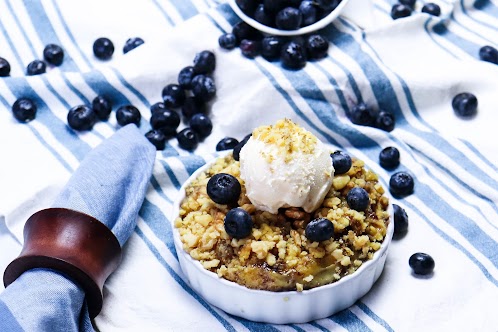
(412, 67)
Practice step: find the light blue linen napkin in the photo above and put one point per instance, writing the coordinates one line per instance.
(110, 185)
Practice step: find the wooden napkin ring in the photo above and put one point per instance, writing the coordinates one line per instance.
(71, 242)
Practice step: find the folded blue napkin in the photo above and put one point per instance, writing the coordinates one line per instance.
(110, 185)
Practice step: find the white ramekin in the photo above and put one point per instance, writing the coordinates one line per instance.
(277, 32)
(278, 307)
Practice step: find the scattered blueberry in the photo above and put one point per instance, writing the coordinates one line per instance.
(401, 184)
(4, 67)
(238, 223)
(238, 147)
(227, 143)
(81, 117)
(103, 48)
(421, 263)
(187, 139)
(316, 46)
(157, 138)
(192, 106)
(431, 9)
(201, 124)
(318, 230)
(24, 109)
(157, 107)
(409, 3)
(185, 77)
(465, 104)
(289, 18)
(263, 17)
(204, 62)
(271, 46)
(342, 162)
(53, 54)
(223, 188)
(399, 11)
(102, 107)
(166, 121)
(400, 220)
(36, 67)
(362, 114)
(358, 199)
(128, 114)
(389, 157)
(250, 48)
(228, 41)
(293, 55)
(132, 43)
(488, 53)
(204, 89)
(385, 121)
(309, 12)
(173, 95)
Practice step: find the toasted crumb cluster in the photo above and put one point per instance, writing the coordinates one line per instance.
(288, 137)
(277, 256)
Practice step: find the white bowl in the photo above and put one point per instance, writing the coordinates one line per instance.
(277, 32)
(278, 307)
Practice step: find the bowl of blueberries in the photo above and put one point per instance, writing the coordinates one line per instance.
(288, 17)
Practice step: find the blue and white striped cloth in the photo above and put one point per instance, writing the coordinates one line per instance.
(412, 67)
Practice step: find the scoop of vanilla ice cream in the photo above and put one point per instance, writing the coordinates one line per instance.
(284, 165)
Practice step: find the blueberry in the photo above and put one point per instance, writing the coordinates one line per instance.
(342, 162)
(132, 43)
(238, 223)
(103, 48)
(399, 11)
(362, 114)
(128, 114)
(192, 106)
(400, 220)
(36, 67)
(238, 147)
(223, 188)
(53, 54)
(81, 117)
(157, 107)
(289, 18)
(185, 77)
(166, 121)
(228, 41)
(488, 53)
(263, 17)
(389, 157)
(385, 121)
(187, 139)
(401, 184)
(293, 55)
(465, 104)
(201, 124)
(358, 199)
(227, 143)
(247, 6)
(421, 263)
(242, 30)
(24, 109)
(271, 46)
(309, 12)
(316, 46)
(250, 48)
(431, 9)
(173, 95)
(157, 138)
(4, 68)
(274, 6)
(320, 229)
(409, 3)
(204, 62)
(102, 107)
(204, 89)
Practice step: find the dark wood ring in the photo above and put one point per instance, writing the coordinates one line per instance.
(71, 242)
